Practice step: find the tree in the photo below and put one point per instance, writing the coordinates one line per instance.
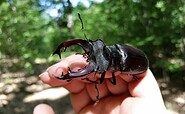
(24, 29)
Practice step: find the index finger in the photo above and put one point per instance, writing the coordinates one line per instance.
(74, 62)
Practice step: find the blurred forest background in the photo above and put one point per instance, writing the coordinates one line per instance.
(30, 30)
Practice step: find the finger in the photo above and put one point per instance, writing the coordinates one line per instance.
(108, 105)
(126, 77)
(43, 109)
(74, 62)
(120, 87)
(80, 100)
(75, 86)
(48, 76)
(49, 79)
(97, 91)
(145, 87)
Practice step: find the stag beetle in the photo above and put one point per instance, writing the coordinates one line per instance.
(101, 58)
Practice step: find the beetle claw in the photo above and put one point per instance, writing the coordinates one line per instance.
(135, 77)
(65, 49)
(63, 77)
(69, 70)
(68, 80)
(59, 77)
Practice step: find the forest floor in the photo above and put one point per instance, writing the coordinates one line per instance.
(20, 92)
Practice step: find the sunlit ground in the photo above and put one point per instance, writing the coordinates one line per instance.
(20, 92)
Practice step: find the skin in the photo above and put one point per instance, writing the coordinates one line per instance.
(128, 96)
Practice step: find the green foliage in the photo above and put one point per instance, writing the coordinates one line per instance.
(22, 29)
(25, 31)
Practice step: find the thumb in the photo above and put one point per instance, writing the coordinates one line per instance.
(146, 86)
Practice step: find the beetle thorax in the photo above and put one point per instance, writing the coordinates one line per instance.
(98, 56)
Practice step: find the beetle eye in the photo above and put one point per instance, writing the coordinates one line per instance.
(106, 53)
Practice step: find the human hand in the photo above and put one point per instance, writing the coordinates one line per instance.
(140, 96)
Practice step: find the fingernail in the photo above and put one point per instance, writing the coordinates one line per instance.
(44, 73)
(45, 77)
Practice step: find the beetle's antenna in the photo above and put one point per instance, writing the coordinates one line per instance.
(82, 26)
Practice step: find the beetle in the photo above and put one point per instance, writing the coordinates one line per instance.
(100, 58)
(118, 57)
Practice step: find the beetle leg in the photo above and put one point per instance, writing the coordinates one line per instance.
(100, 81)
(92, 81)
(102, 77)
(135, 77)
(61, 77)
(97, 82)
(113, 81)
(98, 94)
